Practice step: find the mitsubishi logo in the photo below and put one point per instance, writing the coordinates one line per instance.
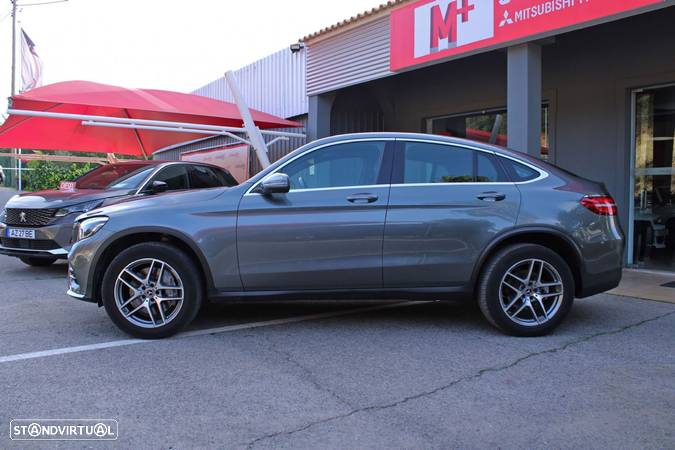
(22, 216)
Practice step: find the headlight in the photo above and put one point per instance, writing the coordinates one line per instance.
(88, 227)
(79, 208)
(3, 214)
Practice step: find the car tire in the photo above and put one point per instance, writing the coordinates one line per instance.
(149, 322)
(37, 262)
(515, 299)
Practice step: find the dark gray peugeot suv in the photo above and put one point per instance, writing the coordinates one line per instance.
(362, 216)
(36, 227)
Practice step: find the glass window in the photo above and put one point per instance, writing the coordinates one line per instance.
(486, 126)
(518, 172)
(487, 169)
(111, 175)
(225, 177)
(175, 176)
(653, 206)
(437, 163)
(350, 164)
(202, 177)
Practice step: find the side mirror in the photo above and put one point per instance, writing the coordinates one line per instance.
(277, 183)
(157, 187)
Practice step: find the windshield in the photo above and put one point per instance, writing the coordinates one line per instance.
(115, 176)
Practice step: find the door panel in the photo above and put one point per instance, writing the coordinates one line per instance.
(439, 222)
(326, 233)
(434, 234)
(312, 239)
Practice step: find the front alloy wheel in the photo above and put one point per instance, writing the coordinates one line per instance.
(149, 293)
(152, 290)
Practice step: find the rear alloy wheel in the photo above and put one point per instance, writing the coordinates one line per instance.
(151, 290)
(36, 261)
(526, 290)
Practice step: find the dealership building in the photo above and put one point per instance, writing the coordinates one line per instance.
(588, 85)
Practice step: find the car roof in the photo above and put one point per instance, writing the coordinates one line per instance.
(159, 162)
(428, 137)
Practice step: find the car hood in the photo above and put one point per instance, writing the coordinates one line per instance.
(163, 201)
(61, 199)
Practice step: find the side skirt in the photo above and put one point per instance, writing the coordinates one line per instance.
(431, 293)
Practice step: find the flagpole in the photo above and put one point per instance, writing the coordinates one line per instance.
(16, 152)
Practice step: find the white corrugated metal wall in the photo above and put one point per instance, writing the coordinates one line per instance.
(355, 56)
(274, 84)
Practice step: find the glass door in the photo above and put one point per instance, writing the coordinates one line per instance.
(653, 175)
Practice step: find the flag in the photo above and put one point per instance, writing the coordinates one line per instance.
(31, 66)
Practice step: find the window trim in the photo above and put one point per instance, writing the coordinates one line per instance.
(542, 173)
(383, 165)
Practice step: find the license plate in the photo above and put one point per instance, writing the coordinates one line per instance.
(20, 233)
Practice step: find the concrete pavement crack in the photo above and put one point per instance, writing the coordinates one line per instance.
(452, 383)
(310, 375)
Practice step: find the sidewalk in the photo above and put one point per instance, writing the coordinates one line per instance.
(647, 284)
(6, 194)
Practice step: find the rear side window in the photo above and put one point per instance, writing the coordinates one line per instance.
(487, 169)
(202, 177)
(436, 163)
(427, 163)
(225, 177)
(518, 172)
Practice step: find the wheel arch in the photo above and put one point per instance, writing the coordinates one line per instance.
(132, 236)
(550, 238)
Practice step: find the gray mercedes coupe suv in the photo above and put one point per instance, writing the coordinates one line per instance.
(37, 227)
(361, 216)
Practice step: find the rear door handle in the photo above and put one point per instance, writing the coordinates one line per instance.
(362, 198)
(491, 196)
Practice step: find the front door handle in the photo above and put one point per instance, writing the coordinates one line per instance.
(362, 198)
(491, 196)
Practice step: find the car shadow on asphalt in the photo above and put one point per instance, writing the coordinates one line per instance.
(420, 314)
(25, 272)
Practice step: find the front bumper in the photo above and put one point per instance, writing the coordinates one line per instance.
(59, 253)
(51, 241)
(82, 263)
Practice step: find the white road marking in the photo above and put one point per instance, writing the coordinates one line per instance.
(225, 329)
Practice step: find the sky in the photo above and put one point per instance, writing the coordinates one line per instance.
(162, 44)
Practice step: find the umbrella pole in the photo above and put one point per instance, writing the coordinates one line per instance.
(254, 134)
(138, 136)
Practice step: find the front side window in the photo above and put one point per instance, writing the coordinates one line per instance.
(175, 176)
(340, 165)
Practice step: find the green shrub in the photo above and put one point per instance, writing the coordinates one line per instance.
(49, 174)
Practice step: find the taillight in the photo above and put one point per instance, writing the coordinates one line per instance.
(603, 205)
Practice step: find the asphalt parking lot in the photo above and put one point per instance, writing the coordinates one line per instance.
(407, 375)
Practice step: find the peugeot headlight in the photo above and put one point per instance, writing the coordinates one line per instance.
(88, 227)
(79, 208)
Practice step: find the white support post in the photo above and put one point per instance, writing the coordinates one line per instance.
(254, 134)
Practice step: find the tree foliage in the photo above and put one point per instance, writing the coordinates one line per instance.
(49, 174)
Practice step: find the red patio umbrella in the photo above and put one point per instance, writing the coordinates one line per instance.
(94, 99)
